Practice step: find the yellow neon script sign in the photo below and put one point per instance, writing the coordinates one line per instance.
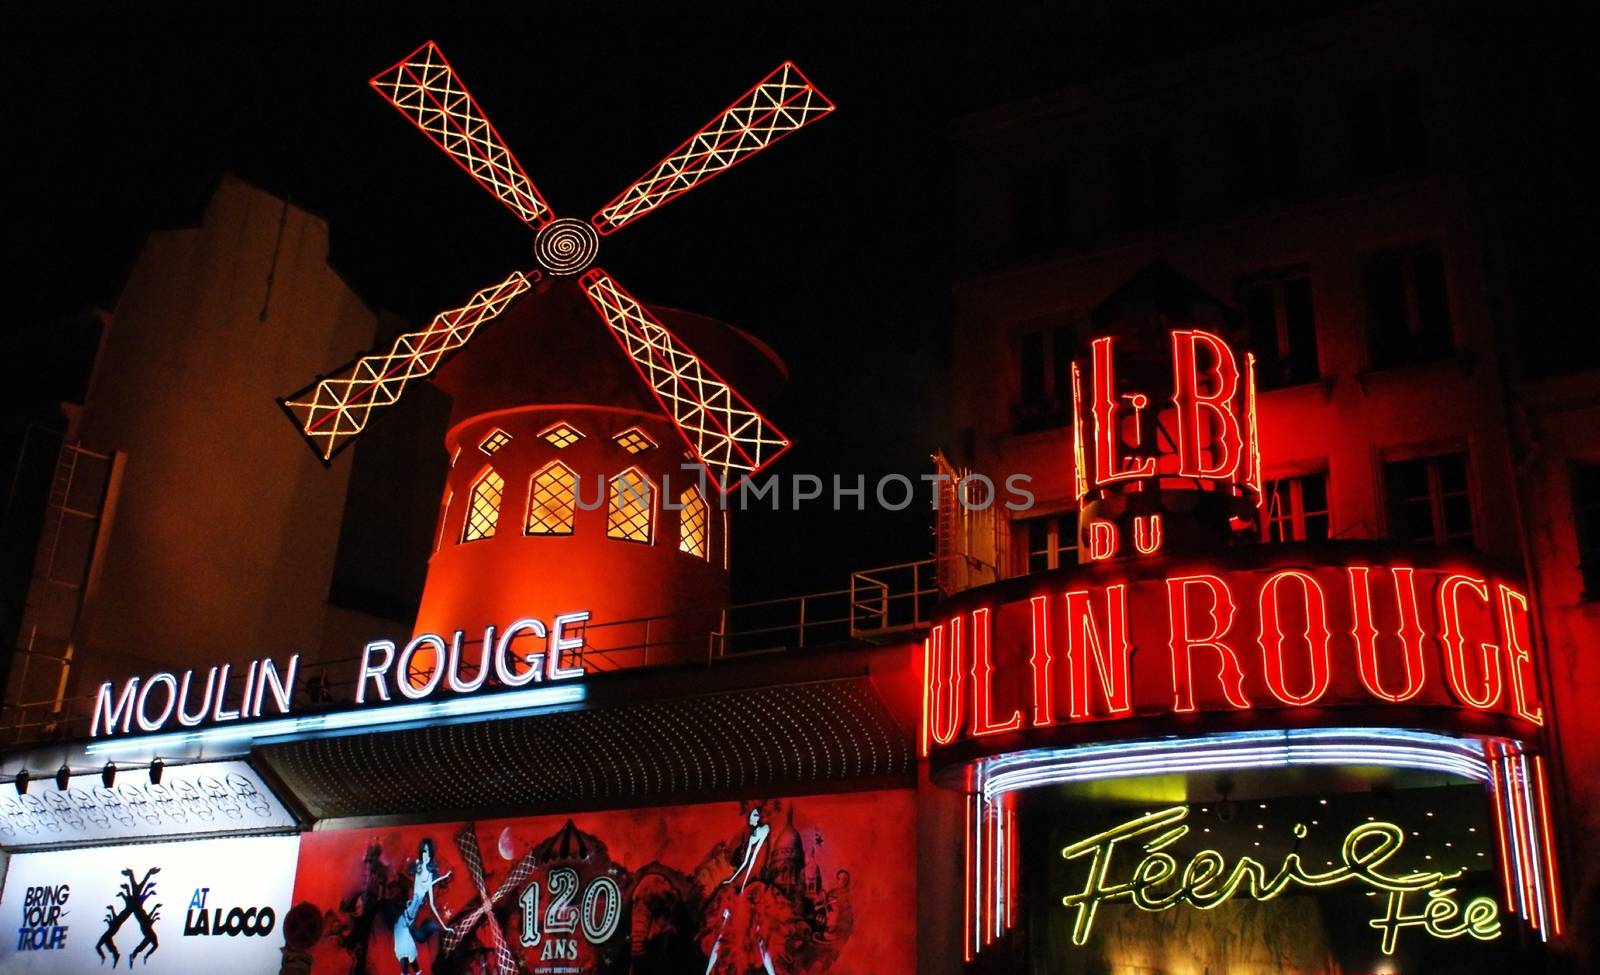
(1206, 881)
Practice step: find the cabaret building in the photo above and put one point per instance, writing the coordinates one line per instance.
(1277, 670)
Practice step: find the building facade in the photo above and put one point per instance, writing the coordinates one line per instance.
(1277, 667)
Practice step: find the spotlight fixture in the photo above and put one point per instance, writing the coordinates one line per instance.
(156, 765)
(21, 782)
(63, 777)
(108, 774)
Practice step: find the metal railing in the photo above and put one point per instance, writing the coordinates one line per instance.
(880, 604)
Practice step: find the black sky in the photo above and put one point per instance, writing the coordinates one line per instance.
(833, 246)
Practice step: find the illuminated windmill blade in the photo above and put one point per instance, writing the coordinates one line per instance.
(779, 104)
(721, 427)
(428, 91)
(332, 411)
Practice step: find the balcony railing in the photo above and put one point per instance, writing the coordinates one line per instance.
(881, 604)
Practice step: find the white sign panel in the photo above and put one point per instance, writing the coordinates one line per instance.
(192, 800)
(199, 906)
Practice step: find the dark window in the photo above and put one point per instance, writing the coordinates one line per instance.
(1283, 335)
(1052, 541)
(1044, 373)
(1586, 512)
(1295, 509)
(1143, 183)
(1383, 126)
(1261, 155)
(1041, 215)
(1408, 315)
(1429, 500)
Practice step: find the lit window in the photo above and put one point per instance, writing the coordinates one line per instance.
(1429, 500)
(496, 439)
(1295, 509)
(1052, 541)
(634, 441)
(561, 435)
(552, 501)
(631, 508)
(483, 513)
(694, 523)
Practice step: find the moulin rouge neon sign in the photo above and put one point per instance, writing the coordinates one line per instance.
(524, 652)
(1167, 462)
(1111, 646)
(1158, 883)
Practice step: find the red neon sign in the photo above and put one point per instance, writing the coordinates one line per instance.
(1276, 638)
(1208, 436)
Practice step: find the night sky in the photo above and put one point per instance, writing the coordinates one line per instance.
(833, 246)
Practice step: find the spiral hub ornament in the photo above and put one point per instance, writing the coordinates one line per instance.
(565, 246)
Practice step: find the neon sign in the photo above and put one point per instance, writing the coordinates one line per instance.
(1105, 645)
(1130, 445)
(526, 651)
(1206, 881)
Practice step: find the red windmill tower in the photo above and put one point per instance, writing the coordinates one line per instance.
(547, 414)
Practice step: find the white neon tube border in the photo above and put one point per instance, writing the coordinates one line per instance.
(1012, 772)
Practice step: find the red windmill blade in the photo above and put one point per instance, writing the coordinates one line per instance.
(720, 426)
(779, 104)
(722, 429)
(426, 90)
(333, 410)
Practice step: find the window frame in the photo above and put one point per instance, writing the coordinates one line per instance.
(1386, 356)
(1584, 525)
(1431, 457)
(1296, 518)
(1062, 522)
(1270, 372)
(572, 511)
(472, 500)
(651, 509)
(686, 504)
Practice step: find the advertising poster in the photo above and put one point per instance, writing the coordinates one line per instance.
(801, 886)
(200, 906)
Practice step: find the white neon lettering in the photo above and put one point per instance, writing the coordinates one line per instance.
(403, 680)
(282, 688)
(503, 670)
(108, 717)
(219, 711)
(376, 674)
(184, 717)
(453, 679)
(559, 642)
(162, 679)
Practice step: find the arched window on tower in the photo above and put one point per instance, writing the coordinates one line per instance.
(483, 510)
(694, 523)
(552, 500)
(631, 507)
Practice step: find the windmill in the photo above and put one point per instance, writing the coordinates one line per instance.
(722, 429)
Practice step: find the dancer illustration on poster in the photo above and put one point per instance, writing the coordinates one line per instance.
(755, 843)
(756, 921)
(408, 930)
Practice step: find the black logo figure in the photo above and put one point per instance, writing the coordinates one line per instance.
(133, 893)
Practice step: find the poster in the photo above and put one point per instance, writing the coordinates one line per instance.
(200, 906)
(801, 886)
